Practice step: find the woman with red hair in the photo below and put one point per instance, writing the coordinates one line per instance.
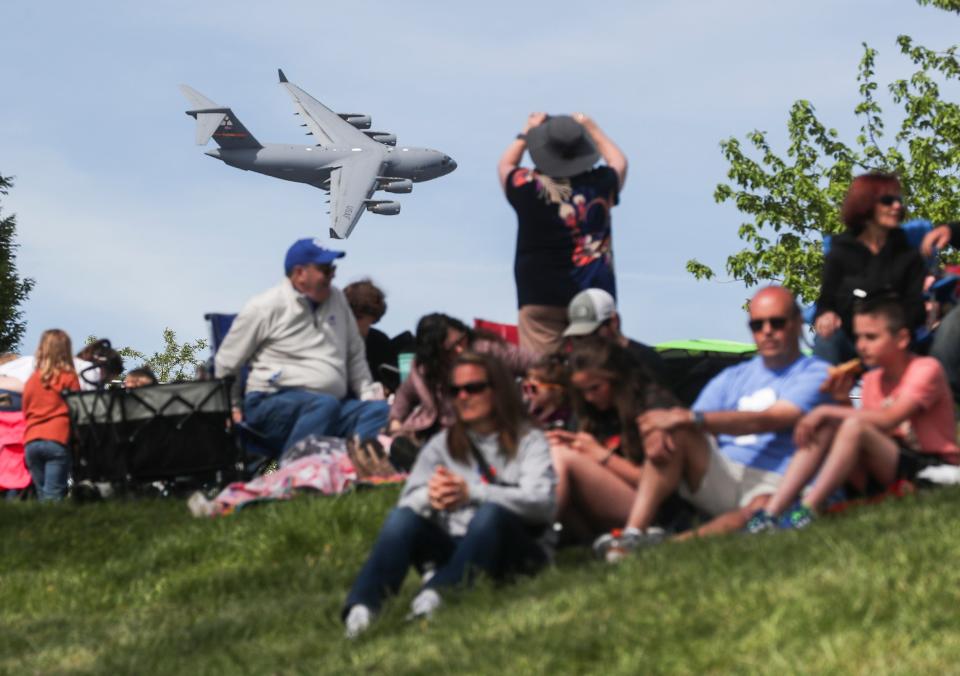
(872, 255)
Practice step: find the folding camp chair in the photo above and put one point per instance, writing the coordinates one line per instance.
(175, 432)
(249, 439)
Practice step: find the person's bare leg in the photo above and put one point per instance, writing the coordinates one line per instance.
(803, 466)
(855, 441)
(562, 469)
(599, 497)
(727, 522)
(660, 478)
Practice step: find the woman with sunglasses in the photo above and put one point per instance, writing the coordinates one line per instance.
(545, 390)
(479, 498)
(598, 467)
(421, 407)
(873, 255)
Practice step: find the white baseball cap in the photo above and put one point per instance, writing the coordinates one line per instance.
(588, 310)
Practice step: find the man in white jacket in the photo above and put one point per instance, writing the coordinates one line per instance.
(308, 366)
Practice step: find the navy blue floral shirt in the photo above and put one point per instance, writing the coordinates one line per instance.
(563, 234)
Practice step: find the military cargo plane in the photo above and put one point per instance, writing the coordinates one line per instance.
(350, 162)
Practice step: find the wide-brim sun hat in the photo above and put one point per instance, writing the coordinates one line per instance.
(561, 147)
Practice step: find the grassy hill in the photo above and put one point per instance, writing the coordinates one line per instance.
(142, 587)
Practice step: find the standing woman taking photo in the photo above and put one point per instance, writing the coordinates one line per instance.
(873, 255)
(47, 417)
(563, 205)
(478, 499)
(598, 467)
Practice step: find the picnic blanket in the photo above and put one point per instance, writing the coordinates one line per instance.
(13, 469)
(317, 464)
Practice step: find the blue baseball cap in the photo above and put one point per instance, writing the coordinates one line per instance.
(308, 250)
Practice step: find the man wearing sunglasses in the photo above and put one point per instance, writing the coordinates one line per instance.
(308, 365)
(727, 453)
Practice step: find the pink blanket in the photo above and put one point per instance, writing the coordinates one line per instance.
(327, 473)
(13, 470)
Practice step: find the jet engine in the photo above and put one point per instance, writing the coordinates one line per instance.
(398, 185)
(358, 120)
(384, 208)
(383, 137)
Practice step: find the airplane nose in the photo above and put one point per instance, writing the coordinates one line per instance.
(449, 163)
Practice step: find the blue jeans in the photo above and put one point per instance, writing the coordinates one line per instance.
(49, 465)
(497, 542)
(946, 348)
(284, 418)
(835, 349)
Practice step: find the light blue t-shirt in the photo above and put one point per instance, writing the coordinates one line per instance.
(751, 386)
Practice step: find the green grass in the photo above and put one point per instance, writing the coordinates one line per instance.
(142, 587)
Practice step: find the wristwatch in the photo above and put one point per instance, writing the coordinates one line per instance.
(698, 419)
(521, 137)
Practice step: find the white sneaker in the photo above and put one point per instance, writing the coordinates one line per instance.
(199, 506)
(631, 540)
(424, 604)
(358, 620)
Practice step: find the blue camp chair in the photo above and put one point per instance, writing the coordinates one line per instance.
(252, 441)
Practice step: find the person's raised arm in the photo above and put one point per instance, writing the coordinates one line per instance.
(609, 150)
(511, 157)
(939, 237)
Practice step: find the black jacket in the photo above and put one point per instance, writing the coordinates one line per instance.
(851, 266)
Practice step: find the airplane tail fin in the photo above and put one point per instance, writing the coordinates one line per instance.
(218, 122)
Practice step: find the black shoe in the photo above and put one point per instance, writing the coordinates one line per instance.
(403, 453)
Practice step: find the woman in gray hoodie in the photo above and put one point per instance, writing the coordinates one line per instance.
(479, 498)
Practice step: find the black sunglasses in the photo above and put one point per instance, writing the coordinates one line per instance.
(328, 269)
(890, 200)
(475, 387)
(776, 323)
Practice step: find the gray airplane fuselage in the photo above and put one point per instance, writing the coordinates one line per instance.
(313, 164)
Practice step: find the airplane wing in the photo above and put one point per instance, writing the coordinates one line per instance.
(351, 184)
(328, 128)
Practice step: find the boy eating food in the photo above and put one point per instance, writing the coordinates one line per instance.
(906, 423)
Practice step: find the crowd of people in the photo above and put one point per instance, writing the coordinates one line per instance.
(576, 435)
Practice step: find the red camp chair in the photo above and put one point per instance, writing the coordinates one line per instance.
(508, 332)
(13, 469)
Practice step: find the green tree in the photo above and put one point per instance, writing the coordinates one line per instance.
(949, 5)
(792, 201)
(175, 363)
(13, 289)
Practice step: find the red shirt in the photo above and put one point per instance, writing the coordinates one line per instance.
(933, 428)
(45, 410)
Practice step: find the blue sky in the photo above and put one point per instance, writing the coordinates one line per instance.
(127, 228)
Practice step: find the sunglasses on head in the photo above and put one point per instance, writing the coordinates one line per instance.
(475, 387)
(776, 323)
(890, 200)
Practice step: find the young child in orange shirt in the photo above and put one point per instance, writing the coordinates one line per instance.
(47, 417)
